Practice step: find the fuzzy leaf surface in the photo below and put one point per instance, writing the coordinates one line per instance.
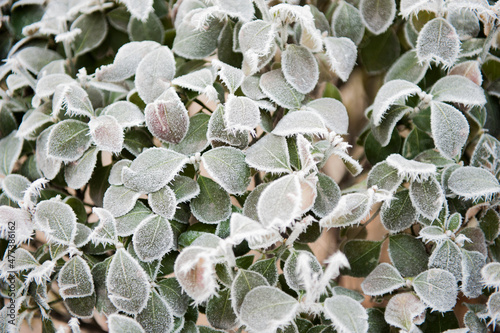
(473, 183)
(269, 154)
(213, 204)
(382, 280)
(275, 86)
(300, 122)
(68, 140)
(402, 309)
(377, 15)
(390, 93)
(300, 68)
(346, 314)
(157, 315)
(438, 41)
(398, 214)
(241, 113)
(78, 173)
(163, 202)
(437, 288)
(75, 279)
(153, 238)
(347, 22)
(58, 220)
(119, 200)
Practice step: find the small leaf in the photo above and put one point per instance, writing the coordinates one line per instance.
(391, 93)
(473, 183)
(126, 224)
(119, 200)
(384, 177)
(398, 214)
(33, 121)
(265, 308)
(256, 39)
(347, 22)
(218, 132)
(416, 142)
(68, 140)
(457, 89)
(81, 307)
(332, 112)
(156, 317)
(302, 77)
(106, 133)
(447, 256)
(94, 29)
(46, 85)
(437, 288)
(78, 173)
(184, 188)
(346, 314)
(213, 204)
(172, 293)
(205, 39)
(382, 280)
(351, 209)
(127, 114)
(269, 154)
(468, 69)
(487, 153)
(127, 283)
(363, 256)
(118, 323)
(10, 149)
(383, 132)
(34, 58)
(490, 225)
(58, 221)
(74, 99)
(328, 195)
(274, 85)
(250, 205)
(163, 202)
(407, 254)
(231, 76)
(195, 139)
(300, 122)
(472, 263)
(105, 232)
(280, 202)
(14, 186)
(377, 15)
(407, 68)
(153, 169)
(115, 175)
(427, 197)
(341, 54)
(241, 114)
(226, 165)
(251, 88)
(153, 238)
(75, 279)
(403, 309)
(438, 41)
(219, 313)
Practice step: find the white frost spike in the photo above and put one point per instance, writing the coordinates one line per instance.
(33, 192)
(22, 218)
(390, 93)
(304, 148)
(473, 183)
(377, 15)
(491, 275)
(450, 129)
(409, 169)
(403, 309)
(74, 324)
(107, 133)
(139, 9)
(280, 203)
(347, 315)
(301, 122)
(75, 100)
(254, 232)
(342, 54)
(105, 232)
(195, 272)
(241, 114)
(438, 41)
(231, 76)
(41, 273)
(412, 7)
(200, 81)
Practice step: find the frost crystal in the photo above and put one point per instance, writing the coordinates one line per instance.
(409, 169)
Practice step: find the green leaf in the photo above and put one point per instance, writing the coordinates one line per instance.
(473, 183)
(267, 268)
(408, 254)
(300, 68)
(346, 314)
(81, 307)
(195, 139)
(376, 153)
(119, 323)
(153, 238)
(363, 256)
(472, 281)
(407, 68)
(172, 293)
(450, 129)
(382, 280)
(384, 177)
(403, 309)
(156, 317)
(427, 197)
(437, 288)
(219, 133)
(213, 204)
(219, 311)
(119, 200)
(185, 188)
(94, 29)
(150, 28)
(384, 130)
(78, 173)
(380, 52)
(275, 86)
(447, 256)
(75, 279)
(328, 195)
(291, 273)
(136, 141)
(10, 149)
(438, 41)
(154, 73)
(486, 154)
(490, 225)
(99, 274)
(58, 220)
(163, 202)
(269, 154)
(68, 140)
(398, 214)
(416, 142)
(377, 15)
(14, 186)
(205, 40)
(347, 22)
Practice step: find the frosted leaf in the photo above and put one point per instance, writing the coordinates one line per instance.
(385, 177)
(105, 232)
(243, 283)
(138, 8)
(408, 254)
(409, 169)
(275, 86)
(47, 85)
(10, 149)
(41, 273)
(383, 132)
(154, 73)
(24, 260)
(118, 323)
(257, 236)
(115, 175)
(195, 273)
(407, 68)
(449, 128)
(453, 222)
(300, 68)
(438, 41)
(22, 218)
(427, 197)
(332, 112)
(447, 256)
(251, 88)
(351, 209)
(127, 114)
(347, 22)
(472, 263)
(119, 200)
(126, 61)
(34, 58)
(346, 314)
(32, 121)
(295, 273)
(127, 283)
(57, 220)
(250, 205)
(494, 306)
(465, 23)
(14, 187)
(398, 214)
(75, 100)
(267, 268)
(412, 7)
(153, 169)
(68, 140)
(391, 93)
(377, 15)
(470, 70)
(437, 288)
(226, 165)
(82, 236)
(195, 139)
(167, 117)
(126, 224)
(213, 204)
(458, 89)
(269, 154)
(231, 76)
(403, 310)
(264, 309)
(382, 280)
(433, 234)
(300, 122)
(75, 279)
(157, 315)
(106, 133)
(185, 188)
(78, 173)
(217, 131)
(16, 81)
(241, 114)
(473, 183)
(256, 39)
(280, 202)
(200, 81)
(491, 275)
(219, 313)
(172, 293)
(328, 195)
(163, 202)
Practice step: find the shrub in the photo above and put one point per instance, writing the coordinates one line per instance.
(163, 159)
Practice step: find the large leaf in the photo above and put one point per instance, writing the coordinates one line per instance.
(437, 288)
(347, 22)
(220, 313)
(106, 133)
(458, 89)
(473, 183)
(398, 214)
(157, 316)
(275, 86)
(377, 15)
(300, 68)
(363, 256)
(119, 200)
(94, 29)
(450, 129)
(153, 238)
(118, 323)
(127, 114)
(205, 40)
(163, 202)
(427, 197)
(218, 132)
(241, 113)
(382, 280)
(213, 204)
(68, 140)
(472, 263)
(351, 209)
(58, 220)
(384, 177)
(149, 29)
(438, 41)
(408, 68)
(269, 154)
(75, 279)
(172, 293)
(126, 224)
(242, 284)
(333, 113)
(10, 149)
(342, 54)
(300, 122)
(346, 314)
(408, 254)
(447, 256)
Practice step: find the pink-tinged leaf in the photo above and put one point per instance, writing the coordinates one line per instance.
(107, 133)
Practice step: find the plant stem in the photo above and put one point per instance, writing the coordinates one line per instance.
(369, 221)
(488, 43)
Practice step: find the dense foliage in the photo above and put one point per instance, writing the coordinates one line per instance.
(161, 159)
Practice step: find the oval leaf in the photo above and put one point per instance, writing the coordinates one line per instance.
(300, 68)
(438, 41)
(153, 238)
